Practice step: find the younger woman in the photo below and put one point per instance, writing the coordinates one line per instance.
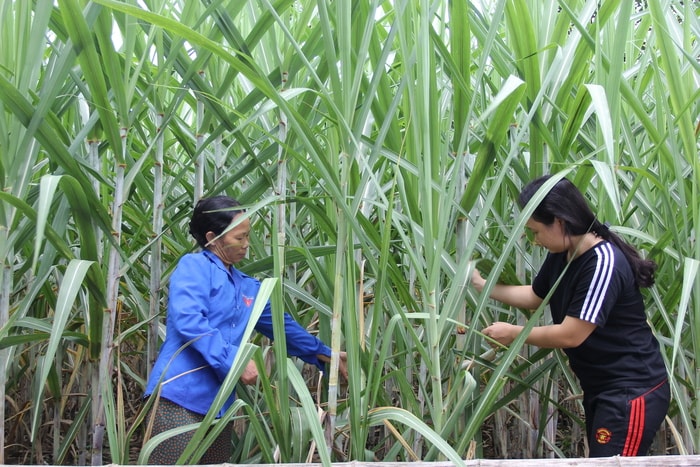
(599, 319)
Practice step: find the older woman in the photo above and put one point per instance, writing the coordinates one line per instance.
(210, 304)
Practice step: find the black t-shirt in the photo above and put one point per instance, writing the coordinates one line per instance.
(599, 287)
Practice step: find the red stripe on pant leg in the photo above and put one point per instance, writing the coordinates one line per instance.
(630, 441)
(639, 428)
(635, 430)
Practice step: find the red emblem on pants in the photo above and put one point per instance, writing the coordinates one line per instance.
(603, 435)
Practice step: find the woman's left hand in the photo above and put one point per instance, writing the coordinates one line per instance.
(342, 363)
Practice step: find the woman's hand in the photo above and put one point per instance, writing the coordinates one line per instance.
(250, 374)
(502, 333)
(342, 363)
(521, 296)
(477, 281)
(570, 333)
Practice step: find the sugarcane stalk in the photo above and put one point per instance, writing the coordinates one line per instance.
(104, 371)
(200, 160)
(155, 261)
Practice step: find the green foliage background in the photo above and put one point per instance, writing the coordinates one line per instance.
(379, 146)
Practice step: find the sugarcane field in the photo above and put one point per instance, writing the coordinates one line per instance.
(350, 233)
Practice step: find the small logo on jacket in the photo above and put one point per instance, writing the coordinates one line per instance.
(603, 435)
(247, 300)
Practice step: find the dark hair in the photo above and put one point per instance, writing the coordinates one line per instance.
(564, 201)
(212, 215)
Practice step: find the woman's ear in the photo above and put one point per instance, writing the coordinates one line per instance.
(562, 225)
(210, 236)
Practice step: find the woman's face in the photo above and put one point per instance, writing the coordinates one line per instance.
(232, 246)
(552, 237)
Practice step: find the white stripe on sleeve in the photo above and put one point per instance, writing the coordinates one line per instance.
(599, 283)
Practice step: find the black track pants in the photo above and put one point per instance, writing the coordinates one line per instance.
(624, 421)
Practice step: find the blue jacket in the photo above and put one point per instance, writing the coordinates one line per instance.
(209, 308)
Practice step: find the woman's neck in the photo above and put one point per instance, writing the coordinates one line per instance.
(581, 244)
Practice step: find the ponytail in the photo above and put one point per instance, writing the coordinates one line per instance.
(643, 269)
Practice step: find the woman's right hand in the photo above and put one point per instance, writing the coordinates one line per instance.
(503, 333)
(250, 374)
